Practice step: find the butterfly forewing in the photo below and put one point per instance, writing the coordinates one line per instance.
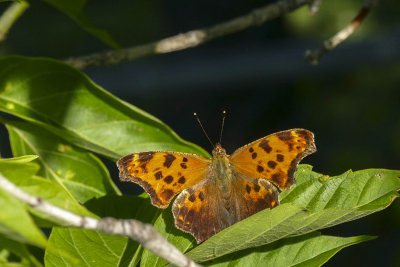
(163, 174)
(274, 157)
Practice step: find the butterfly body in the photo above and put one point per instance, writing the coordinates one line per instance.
(221, 173)
(216, 193)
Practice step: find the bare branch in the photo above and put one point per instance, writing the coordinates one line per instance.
(191, 38)
(314, 56)
(8, 18)
(145, 234)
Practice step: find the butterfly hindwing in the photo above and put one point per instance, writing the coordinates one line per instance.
(197, 211)
(163, 174)
(252, 195)
(204, 210)
(274, 157)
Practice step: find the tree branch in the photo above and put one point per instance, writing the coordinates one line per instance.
(314, 56)
(145, 234)
(192, 38)
(8, 18)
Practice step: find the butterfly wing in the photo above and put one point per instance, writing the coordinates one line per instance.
(274, 157)
(204, 210)
(163, 174)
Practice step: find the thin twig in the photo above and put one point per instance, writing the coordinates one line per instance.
(314, 7)
(145, 234)
(192, 38)
(314, 56)
(8, 18)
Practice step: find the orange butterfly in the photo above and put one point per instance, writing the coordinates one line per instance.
(216, 193)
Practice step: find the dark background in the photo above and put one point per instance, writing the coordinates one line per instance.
(351, 101)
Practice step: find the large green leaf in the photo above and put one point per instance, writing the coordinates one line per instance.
(165, 225)
(74, 9)
(339, 199)
(23, 175)
(19, 250)
(307, 250)
(16, 223)
(370, 189)
(77, 247)
(69, 247)
(79, 172)
(67, 103)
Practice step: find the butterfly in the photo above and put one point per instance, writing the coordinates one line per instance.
(213, 194)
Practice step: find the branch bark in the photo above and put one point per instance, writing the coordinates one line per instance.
(192, 38)
(314, 56)
(10, 16)
(145, 234)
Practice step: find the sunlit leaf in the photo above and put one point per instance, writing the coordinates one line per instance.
(307, 250)
(80, 172)
(329, 201)
(17, 224)
(68, 104)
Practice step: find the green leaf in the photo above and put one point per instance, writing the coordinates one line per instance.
(77, 247)
(79, 172)
(21, 159)
(16, 223)
(339, 199)
(126, 207)
(18, 249)
(69, 247)
(68, 104)
(24, 176)
(307, 250)
(165, 225)
(366, 190)
(74, 9)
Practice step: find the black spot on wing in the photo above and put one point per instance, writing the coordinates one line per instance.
(248, 189)
(145, 156)
(182, 180)
(168, 179)
(280, 157)
(158, 175)
(192, 198)
(169, 158)
(264, 145)
(201, 196)
(272, 164)
(260, 168)
(285, 136)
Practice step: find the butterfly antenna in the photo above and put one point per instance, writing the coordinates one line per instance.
(222, 127)
(204, 131)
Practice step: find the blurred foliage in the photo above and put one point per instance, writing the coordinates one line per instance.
(335, 15)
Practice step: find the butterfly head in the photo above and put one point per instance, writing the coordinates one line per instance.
(219, 151)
